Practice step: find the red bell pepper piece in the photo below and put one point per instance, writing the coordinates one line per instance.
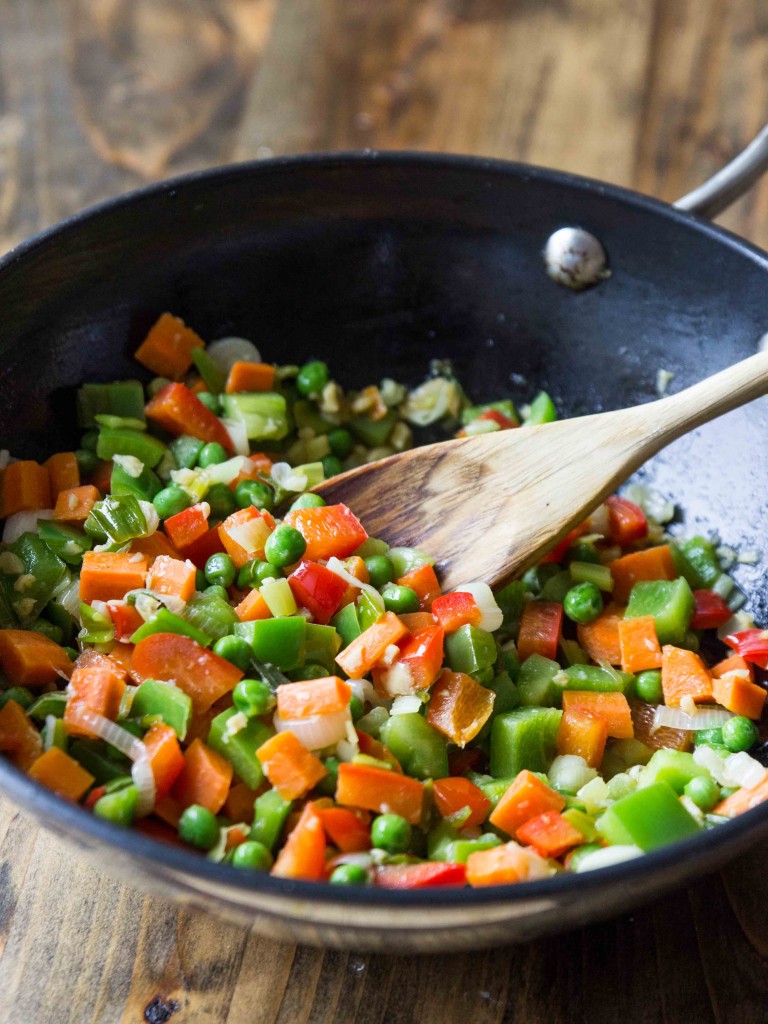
(504, 422)
(186, 527)
(752, 645)
(455, 610)
(125, 618)
(422, 654)
(557, 554)
(176, 409)
(201, 549)
(710, 610)
(317, 589)
(330, 531)
(550, 834)
(626, 521)
(540, 629)
(461, 761)
(421, 876)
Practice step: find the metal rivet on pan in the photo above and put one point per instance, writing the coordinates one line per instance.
(575, 258)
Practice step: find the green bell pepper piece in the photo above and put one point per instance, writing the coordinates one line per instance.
(368, 611)
(507, 694)
(279, 642)
(373, 433)
(173, 705)
(582, 822)
(118, 807)
(212, 614)
(470, 650)
(347, 624)
(8, 618)
(598, 680)
(650, 817)
(120, 398)
(511, 600)
(494, 789)
(696, 560)
(523, 738)
(556, 587)
(92, 756)
(541, 410)
(535, 682)
(54, 734)
(144, 447)
(65, 541)
(144, 486)
(185, 450)
(323, 643)
(48, 704)
(421, 750)
(214, 377)
(43, 571)
(458, 851)
(671, 604)
(264, 414)
(269, 814)
(505, 407)
(119, 517)
(439, 839)
(166, 622)
(240, 748)
(327, 785)
(675, 767)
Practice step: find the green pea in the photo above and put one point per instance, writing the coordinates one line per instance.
(198, 827)
(200, 581)
(222, 501)
(220, 570)
(210, 401)
(254, 492)
(739, 733)
(285, 545)
(234, 649)
(391, 832)
(87, 461)
(341, 442)
(356, 708)
(703, 791)
(400, 600)
(707, 737)
(380, 569)
(211, 454)
(308, 501)
(119, 807)
(253, 573)
(332, 466)
(252, 854)
(648, 686)
(312, 378)
(349, 874)
(216, 590)
(583, 603)
(170, 501)
(20, 694)
(253, 697)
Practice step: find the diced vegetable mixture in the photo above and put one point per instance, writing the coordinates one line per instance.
(195, 645)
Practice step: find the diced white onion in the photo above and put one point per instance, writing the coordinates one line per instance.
(362, 860)
(67, 594)
(651, 502)
(374, 720)
(599, 521)
(226, 472)
(151, 517)
(570, 772)
(24, 522)
(492, 615)
(406, 704)
(225, 352)
(130, 464)
(234, 725)
(594, 795)
(706, 757)
(315, 731)
(238, 433)
(663, 378)
(288, 478)
(607, 857)
(676, 718)
(10, 564)
(750, 557)
(337, 567)
(743, 770)
(111, 733)
(397, 680)
(737, 622)
(250, 535)
(144, 780)
(364, 690)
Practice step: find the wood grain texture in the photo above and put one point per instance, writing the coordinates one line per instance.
(100, 96)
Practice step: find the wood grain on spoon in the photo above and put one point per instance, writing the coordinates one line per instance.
(489, 506)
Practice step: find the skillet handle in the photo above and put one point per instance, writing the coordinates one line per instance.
(728, 184)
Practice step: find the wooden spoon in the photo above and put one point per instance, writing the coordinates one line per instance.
(491, 505)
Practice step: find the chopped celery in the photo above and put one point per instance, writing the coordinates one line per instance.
(458, 851)
(588, 572)
(210, 371)
(541, 410)
(116, 422)
(372, 546)
(598, 680)
(507, 693)
(535, 682)
(119, 517)
(671, 604)
(623, 754)
(34, 588)
(583, 822)
(278, 642)
(144, 447)
(239, 748)
(648, 818)
(493, 789)
(420, 749)
(173, 705)
(166, 622)
(523, 738)
(212, 614)
(373, 433)
(120, 398)
(264, 414)
(65, 541)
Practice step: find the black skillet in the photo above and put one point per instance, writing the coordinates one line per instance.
(379, 262)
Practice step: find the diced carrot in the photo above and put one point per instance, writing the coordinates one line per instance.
(550, 834)
(455, 610)
(349, 830)
(63, 472)
(61, 773)
(380, 790)
(613, 708)
(330, 531)
(600, 638)
(239, 803)
(639, 644)
(250, 377)
(206, 544)
(739, 695)
(167, 349)
(540, 629)
(188, 526)
(19, 739)
(172, 576)
(650, 564)
(453, 795)
(121, 654)
(684, 674)
(178, 411)
(290, 767)
(459, 706)
(31, 659)
(526, 797)
(245, 533)
(743, 800)
(424, 582)
(735, 663)
(200, 673)
(97, 685)
(415, 622)
(153, 546)
(205, 779)
(501, 865)
(165, 757)
(303, 855)
(583, 735)
(109, 575)
(74, 505)
(326, 696)
(253, 607)
(417, 666)
(358, 658)
(24, 487)
(101, 477)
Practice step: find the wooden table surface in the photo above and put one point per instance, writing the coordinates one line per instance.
(99, 96)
